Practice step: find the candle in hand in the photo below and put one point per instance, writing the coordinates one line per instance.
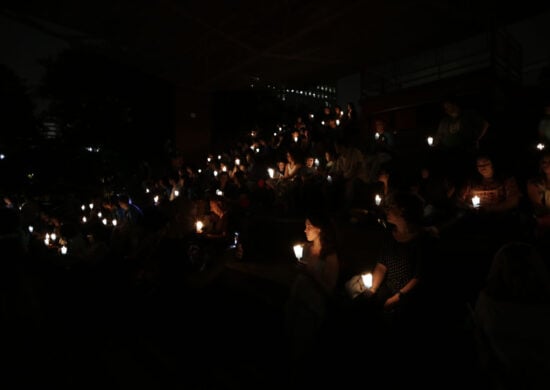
(367, 280)
(377, 199)
(475, 201)
(430, 140)
(199, 226)
(298, 251)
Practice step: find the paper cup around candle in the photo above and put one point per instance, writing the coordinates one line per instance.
(271, 172)
(377, 199)
(430, 140)
(367, 280)
(298, 251)
(475, 201)
(199, 225)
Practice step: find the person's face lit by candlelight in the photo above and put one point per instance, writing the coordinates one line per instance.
(313, 233)
(485, 167)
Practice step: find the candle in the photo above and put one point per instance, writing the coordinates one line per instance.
(295, 139)
(430, 140)
(31, 229)
(271, 172)
(100, 214)
(377, 199)
(367, 280)
(475, 201)
(219, 192)
(114, 222)
(199, 226)
(53, 236)
(376, 135)
(316, 162)
(540, 146)
(298, 251)
(176, 193)
(156, 199)
(83, 207)
(104, 220)
(237, 161)
(63, 250)
(91, 206)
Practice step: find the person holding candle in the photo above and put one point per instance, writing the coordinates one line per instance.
(496, 213)
(312, 291)
(403, 252)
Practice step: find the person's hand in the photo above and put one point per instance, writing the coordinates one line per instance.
(391, 302)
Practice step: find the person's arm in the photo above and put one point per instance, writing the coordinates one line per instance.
(406, 289)
(483, 131)
(378, 276)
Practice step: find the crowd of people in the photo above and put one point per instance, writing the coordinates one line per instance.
(323, 170)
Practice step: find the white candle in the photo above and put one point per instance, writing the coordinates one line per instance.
(295, 139)
(100, 214)
(475, 201)
(91, 206)
(156, 199)
(540, 146)
(176, 193)
(298, 251)
(430, 140)
(114, 222)
(367, 280)
(83, 207)
(271, 172)
(31, 229)
(53, 236)
(104, 221)
(377, 199)
(376, 135)
(63, 250)
(198, 226)
(219, 192)
(237, 161)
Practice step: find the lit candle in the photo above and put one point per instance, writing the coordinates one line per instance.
(99, 214)
(337, 122)
(377, 199)
(63, 250)
(31, 229)
(215, 173)
(540, 146)
(237, 161)
(475, 201)
(104, 220)
(91, 206)
(271, 172)
(176, 193)
(53, 236)
(147, 190)
(376, 135)
(367, 280)
(295, 139)
(329, 178)
(430, 140)
(316, 162)
(219, 192)
(156, 199)
(298, 251)
(198, 226)
(322, 123)
(114, 222)
(84, 219)
(83, 207)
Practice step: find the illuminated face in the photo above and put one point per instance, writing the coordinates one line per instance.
(309, 162)
(312, 232)
(485, 167)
